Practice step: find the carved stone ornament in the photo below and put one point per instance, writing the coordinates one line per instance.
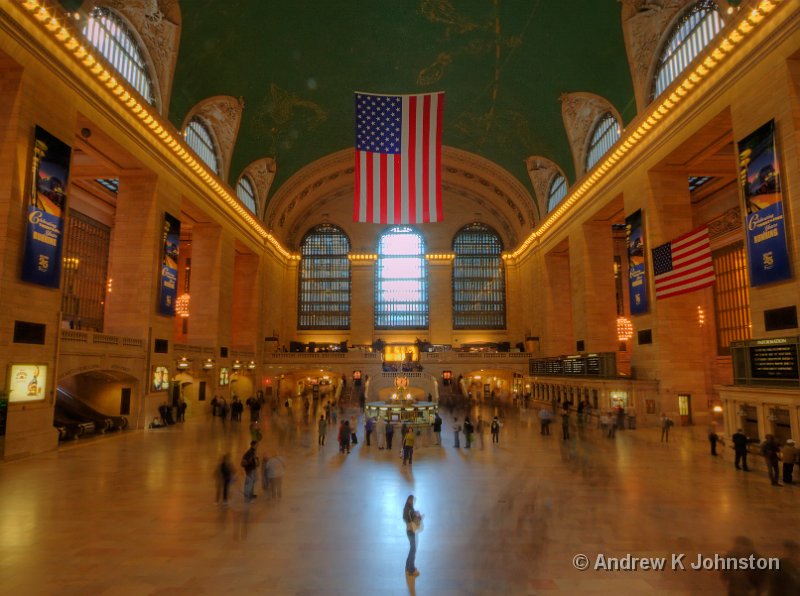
(644, 25)
(542, 170)
(223, 114)
(728, 222)
(262, 173)
(580, 112)
(158, 25)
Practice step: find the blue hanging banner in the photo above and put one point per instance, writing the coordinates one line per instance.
(171, 235)
(637, 272)
(47, 204)
(759, 178)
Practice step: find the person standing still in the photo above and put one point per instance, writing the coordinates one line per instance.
(437, 429)
(713, 439)
(456, 433)
(413, 520)
(408, 447)
(495, 430)
(740, 442)
(565, 424)
(250, 465)
(389, 434)
(322, 427)
(468, 430)
(666, 424)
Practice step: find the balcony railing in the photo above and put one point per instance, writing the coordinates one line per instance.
(90, 337)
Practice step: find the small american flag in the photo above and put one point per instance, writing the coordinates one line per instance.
(683, 265)
(398, 158)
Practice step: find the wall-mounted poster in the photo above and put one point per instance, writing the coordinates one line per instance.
(224, 376)
(637, 272)
(759, 178)
(160, 378)
(27, 382)
(169, 265)
(47, 203)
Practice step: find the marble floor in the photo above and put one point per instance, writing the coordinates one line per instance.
(135, 514)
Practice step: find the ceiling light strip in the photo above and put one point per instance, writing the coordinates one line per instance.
(649, 121)
(58, 26)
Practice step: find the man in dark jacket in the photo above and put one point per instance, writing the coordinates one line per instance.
(437, 429)
(740, 442)
(250, 465)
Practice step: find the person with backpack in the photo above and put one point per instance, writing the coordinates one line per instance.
(495, 428)
(250, 465)
(468, 431)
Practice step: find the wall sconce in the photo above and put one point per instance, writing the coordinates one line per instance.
(208, 364)
(251, 365)
(183, 363)
(624, 329)
(237, 365)
(182, 306)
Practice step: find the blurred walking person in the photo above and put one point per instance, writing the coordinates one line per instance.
(250, 465)
(224, 476)
(413, 520)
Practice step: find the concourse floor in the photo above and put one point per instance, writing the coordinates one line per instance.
(135, 514)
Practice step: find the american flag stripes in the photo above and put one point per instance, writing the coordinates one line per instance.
(398, 158)
(683, 265)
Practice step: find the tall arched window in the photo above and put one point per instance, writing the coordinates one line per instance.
(690, 35)
(107, 32)
(401, 280)
(479, 282)
(246, 193)
(324, 300)
(199, 138)
(556, 192)
(604, 135)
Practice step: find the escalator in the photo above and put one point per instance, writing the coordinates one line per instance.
(74, 418)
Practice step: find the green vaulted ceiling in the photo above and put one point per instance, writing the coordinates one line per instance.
(502, 63)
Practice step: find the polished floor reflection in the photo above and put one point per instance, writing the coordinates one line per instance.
(135, 514)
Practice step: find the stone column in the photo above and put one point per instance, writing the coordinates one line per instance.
(557, 317)
(212, 283)
(679, 354)
(246, 291)
(591, 261)
(134, 260)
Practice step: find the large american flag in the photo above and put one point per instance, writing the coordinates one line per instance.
(398, 158)
(683, 265)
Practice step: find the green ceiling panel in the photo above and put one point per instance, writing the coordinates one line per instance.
(502, 64)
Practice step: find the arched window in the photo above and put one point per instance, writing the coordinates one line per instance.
(604, 135)
(401, 280)
(479, 283)
(690, 35)
(556, 192)
(199, 139)
(324, 300)
(107, 32)
(246, 193)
